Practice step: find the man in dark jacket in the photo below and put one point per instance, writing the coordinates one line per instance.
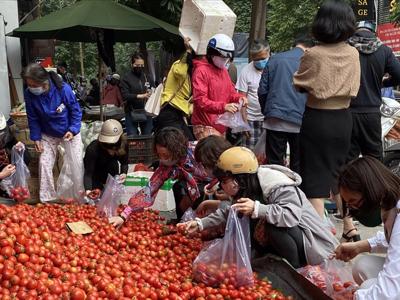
(135, 90)
(282, 105)
(376, 59)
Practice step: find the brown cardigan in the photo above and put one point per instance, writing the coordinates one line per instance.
(330, 73)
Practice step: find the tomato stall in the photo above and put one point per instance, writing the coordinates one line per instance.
(41, 258)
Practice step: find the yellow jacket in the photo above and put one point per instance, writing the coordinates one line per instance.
(177, 75)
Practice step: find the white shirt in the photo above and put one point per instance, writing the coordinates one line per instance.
(248, 83)
(387, 286)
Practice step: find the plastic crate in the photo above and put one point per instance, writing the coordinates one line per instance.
(141, 149)
(201, 19)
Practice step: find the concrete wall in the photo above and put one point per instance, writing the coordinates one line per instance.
(9, 11)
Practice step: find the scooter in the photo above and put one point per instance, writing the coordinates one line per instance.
(390, 111)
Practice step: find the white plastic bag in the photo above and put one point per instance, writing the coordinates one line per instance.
(110, 199)
(228, 257)
(234, 121)
(259, 148)
(153, 104)
(70, 186)
(18, 189)
(189, 215)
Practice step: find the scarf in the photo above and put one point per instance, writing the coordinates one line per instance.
(4, 159)
(186, 170)
(365, 45)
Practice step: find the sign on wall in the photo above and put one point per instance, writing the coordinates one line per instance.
(364, 10)
(390, 35)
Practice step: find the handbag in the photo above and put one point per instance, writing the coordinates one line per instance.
(153, 104)
(138, 115)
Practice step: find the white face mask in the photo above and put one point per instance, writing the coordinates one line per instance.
(221, 62)
(37, 90)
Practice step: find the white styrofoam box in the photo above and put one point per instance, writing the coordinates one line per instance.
(135, 181)
(201, 19)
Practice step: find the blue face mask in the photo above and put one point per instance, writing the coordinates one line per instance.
(36, 90)
(261, 64)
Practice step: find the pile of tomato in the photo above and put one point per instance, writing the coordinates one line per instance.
(144, 259)
(329, 282)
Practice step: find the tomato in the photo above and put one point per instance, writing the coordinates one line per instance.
(78, 294)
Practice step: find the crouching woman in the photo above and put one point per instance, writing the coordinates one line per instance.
(284, 221)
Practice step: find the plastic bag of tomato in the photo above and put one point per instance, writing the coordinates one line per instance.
(333, 277)
(41, 259)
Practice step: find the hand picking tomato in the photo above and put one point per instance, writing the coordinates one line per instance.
(94, 194)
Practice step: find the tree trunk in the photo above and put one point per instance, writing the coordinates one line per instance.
(258, 20)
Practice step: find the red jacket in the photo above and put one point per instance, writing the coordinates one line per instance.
(212, 90)
(112, 95)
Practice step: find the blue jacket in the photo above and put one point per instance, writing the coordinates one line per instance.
(277, 96)
(53, 113)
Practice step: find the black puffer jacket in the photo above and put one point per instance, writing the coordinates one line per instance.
(376, 60)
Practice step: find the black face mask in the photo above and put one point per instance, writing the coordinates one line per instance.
(369, 219)
(138, 70)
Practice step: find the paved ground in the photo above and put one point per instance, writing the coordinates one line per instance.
(365, 232)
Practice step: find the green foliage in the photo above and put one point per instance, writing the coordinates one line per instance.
(242, 9)
(286, 18)
(395, 15)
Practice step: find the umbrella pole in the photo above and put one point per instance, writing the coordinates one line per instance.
(100, 61)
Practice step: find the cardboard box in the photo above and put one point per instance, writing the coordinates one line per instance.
(165, 200)
(201, 19)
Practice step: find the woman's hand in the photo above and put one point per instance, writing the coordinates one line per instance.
(39, 146)
(245, 101)
(244, 206)
(7, 171)
(68, 136)
(348, 251)
(19, 146)
(206, 206)
(186, 41)
(121, 178)
(231, 107)
(190, 227)
(144, 96)
(116, 221)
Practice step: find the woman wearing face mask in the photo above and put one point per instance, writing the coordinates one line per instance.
(176, 162)
(54, 117)
(283, 219)
(106, 155)
(372, 193)
(7, 142)
(112, 92)
(135, 89)
(213, 91)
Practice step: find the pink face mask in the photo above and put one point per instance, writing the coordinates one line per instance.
(221, 62)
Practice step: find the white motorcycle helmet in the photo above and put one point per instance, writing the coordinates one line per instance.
(3, 121)
(223, 44)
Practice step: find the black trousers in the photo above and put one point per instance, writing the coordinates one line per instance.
(366, 136)
(172, 117)
(285, 242)
(275, 148)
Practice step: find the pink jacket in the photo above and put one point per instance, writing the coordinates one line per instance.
(212, 90)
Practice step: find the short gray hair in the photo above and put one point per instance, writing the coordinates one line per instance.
(258, 46)
(35, 72)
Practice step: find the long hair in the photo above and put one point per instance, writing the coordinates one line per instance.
(39, 74)
(368, 176)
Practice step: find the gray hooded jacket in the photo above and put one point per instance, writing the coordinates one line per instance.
(285, 205)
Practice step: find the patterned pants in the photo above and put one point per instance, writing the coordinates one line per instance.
(47, 160)
(202, 131)
(256, 131)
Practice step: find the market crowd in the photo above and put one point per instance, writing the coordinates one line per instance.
(321, 98)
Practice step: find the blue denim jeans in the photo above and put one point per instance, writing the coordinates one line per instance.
(132, 127)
